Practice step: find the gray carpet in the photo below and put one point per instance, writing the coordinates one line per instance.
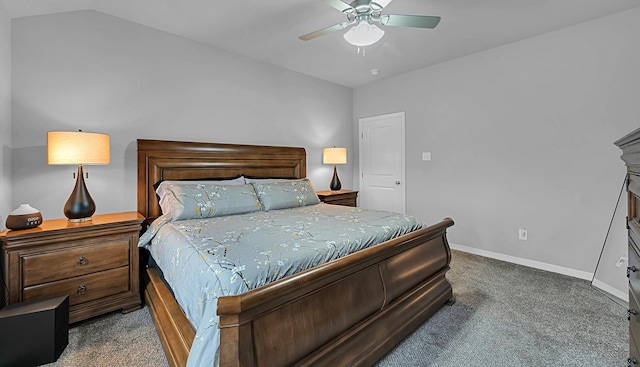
(504, 315)
(510, 315)
(114, 340)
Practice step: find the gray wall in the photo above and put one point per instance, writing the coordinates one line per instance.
(522, 135)
(5, 115)
(91, 71)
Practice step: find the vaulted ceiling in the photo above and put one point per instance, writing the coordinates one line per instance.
(268, 30)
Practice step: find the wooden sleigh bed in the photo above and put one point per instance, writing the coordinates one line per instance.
(350, 311)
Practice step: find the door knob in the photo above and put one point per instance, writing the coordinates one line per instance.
(397, 182)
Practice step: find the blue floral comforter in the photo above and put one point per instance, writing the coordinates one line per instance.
(203, 259)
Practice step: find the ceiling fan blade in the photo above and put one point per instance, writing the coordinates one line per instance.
(418, 21)
(381, 3)
(343, 7)
(324, 31)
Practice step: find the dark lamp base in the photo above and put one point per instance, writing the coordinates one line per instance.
(80, 206)
(335, 181)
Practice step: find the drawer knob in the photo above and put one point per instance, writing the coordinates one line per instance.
(631, 269)
(82, 289)
(631, 361)
(82, 261)
(631, 312)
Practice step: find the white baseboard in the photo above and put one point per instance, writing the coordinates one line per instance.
(612, 291)
(544, 266)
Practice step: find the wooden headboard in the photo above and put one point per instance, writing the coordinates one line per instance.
(175, 160)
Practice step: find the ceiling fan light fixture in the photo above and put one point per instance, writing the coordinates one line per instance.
(363, 34)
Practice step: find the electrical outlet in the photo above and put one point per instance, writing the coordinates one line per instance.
(621, 261)
(522, 234)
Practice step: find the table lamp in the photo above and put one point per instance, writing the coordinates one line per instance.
(334, 156)
(78, 148)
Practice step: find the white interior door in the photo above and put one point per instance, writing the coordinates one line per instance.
(382, 163)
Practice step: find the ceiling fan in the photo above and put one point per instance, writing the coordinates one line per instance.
(361, 16)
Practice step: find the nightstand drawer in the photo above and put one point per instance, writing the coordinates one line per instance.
(84, 288)
(73, 262)
(343, 202)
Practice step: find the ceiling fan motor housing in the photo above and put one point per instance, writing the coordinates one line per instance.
(364, 6)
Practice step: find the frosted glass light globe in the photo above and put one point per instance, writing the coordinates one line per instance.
(363, 34)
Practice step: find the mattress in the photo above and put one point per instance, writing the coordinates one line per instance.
(204, 259)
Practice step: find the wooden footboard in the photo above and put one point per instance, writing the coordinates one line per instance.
(348, 312)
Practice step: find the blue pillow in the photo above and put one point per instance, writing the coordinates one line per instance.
(160, 186)
(286, 194)
(190, 201)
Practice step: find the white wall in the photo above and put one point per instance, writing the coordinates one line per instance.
(522, 135)
(91, 71)
(5, 115)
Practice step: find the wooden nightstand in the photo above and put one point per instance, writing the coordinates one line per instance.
(95, 263)
(342, 197)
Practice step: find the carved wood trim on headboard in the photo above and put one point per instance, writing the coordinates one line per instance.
(174, 160)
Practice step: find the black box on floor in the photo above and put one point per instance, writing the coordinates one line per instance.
(34, 332)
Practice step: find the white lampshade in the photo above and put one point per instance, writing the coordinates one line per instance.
(363, 34)
(77, 147)
(334, 155)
